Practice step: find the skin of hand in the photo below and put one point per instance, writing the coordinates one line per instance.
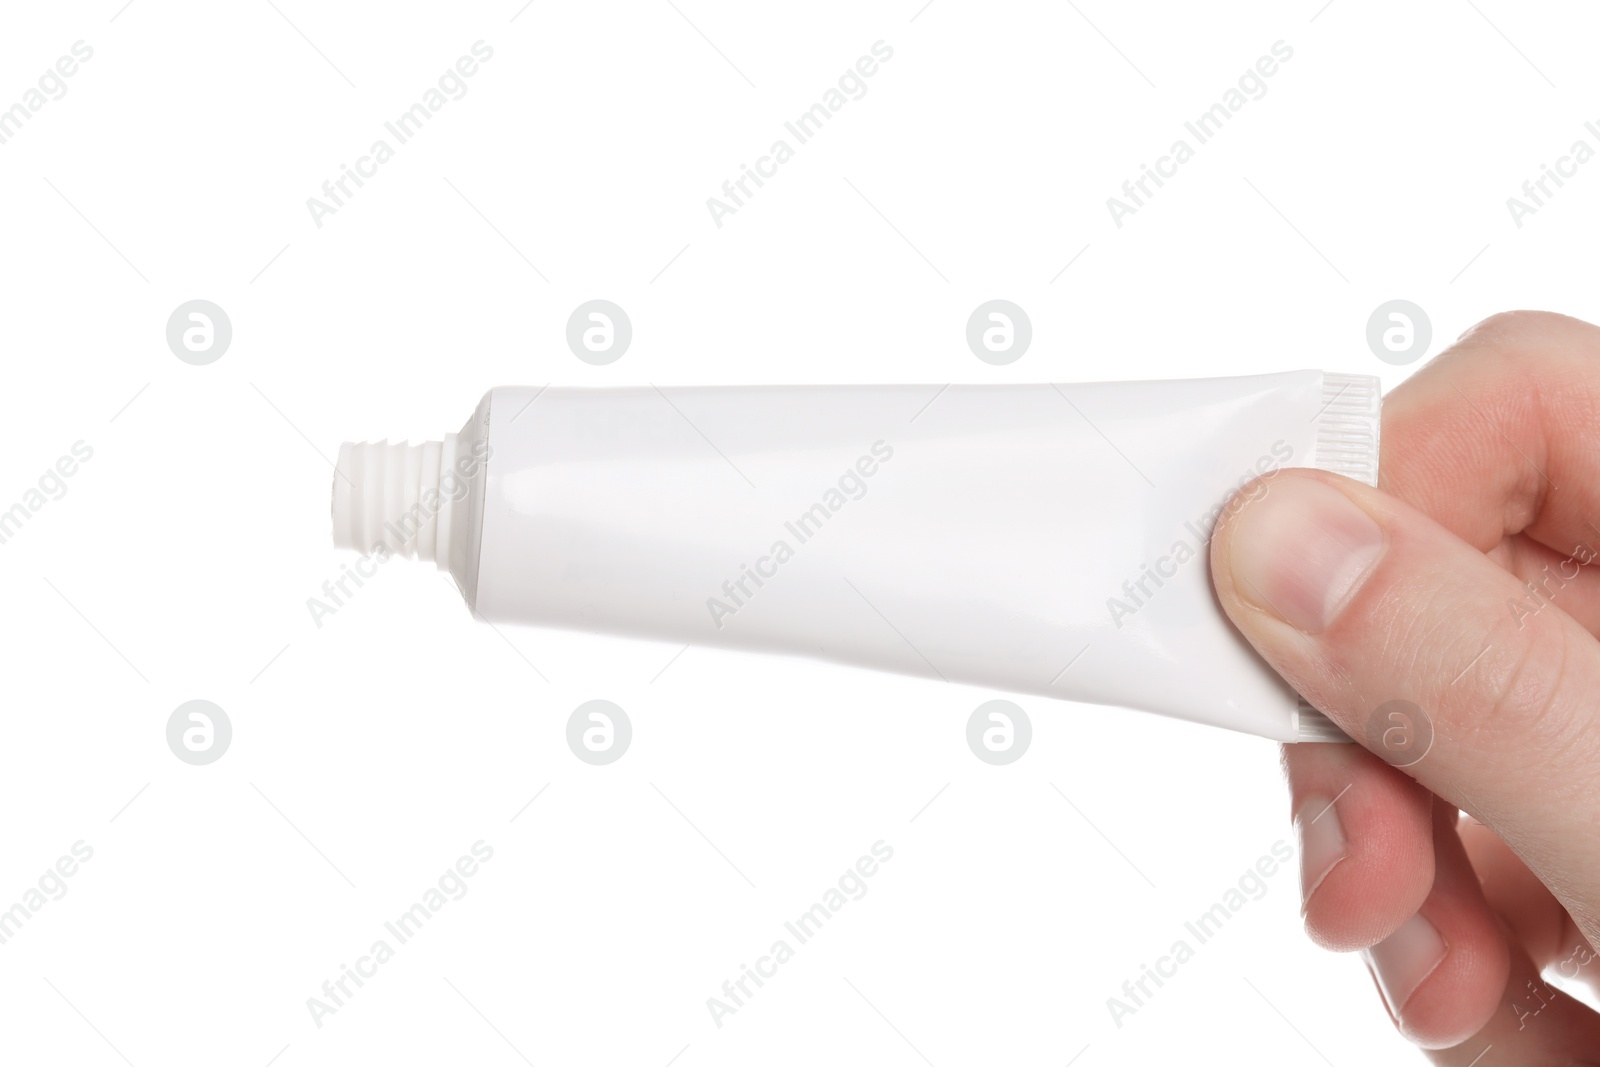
(1468, 585)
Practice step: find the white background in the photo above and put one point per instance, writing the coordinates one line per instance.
(369, 753)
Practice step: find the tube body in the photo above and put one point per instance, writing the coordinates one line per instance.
(1039, 539)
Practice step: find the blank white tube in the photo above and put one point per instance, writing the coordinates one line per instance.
(1039, 539)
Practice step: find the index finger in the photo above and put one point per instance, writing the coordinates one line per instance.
(1493, 440)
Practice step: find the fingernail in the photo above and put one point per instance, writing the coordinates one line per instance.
(1302, 550)
(1321, 844)
(1403, 959)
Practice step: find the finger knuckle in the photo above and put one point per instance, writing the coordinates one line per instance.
(1524, 691)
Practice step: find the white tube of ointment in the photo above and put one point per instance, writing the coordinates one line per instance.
(1044, 539)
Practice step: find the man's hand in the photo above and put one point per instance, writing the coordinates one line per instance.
(1468, 585)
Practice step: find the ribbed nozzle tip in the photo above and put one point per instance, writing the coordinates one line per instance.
(1312, 725)
(386, 498)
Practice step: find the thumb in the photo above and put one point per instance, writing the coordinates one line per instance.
(1406, 636)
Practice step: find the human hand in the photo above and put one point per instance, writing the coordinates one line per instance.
(1415, 592)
